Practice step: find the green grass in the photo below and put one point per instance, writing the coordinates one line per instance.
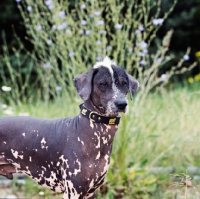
(164, 130)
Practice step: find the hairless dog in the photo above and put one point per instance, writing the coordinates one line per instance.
(70, 155)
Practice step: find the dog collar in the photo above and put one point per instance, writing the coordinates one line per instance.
(95, 117)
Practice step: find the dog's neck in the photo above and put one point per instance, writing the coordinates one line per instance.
(89, 104)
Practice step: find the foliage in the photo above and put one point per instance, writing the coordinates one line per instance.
(184, 19)
(18, 73)
(69, 38)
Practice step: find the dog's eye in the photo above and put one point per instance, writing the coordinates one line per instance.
(104, 84)
(124, 83)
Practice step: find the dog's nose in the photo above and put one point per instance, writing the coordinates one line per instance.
(121, 104)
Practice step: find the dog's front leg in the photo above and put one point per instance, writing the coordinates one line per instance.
(65, 196)
(92, 197)
(72, 194)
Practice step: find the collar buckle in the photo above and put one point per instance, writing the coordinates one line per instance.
(92, 115)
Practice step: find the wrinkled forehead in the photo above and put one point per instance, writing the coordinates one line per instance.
(103, 73)
(119, 73)
(114, 74)
(109, 69)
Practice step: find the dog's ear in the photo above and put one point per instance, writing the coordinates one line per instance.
(83, 83)
(133, 85)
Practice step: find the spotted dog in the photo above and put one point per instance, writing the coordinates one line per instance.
(70, 155)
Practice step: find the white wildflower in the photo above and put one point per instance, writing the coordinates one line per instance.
(68, 31)
(41, 193)
(145, 51)
(103, 32)
(54, 27)
(6, 88)
(87, 32)
(100, 22)
(130, 50)
(83, 6)
(141, 54)
(46, 65)
(186, 57)
(3, 105)
(159, 59)
(71, 54)
(108, 47)
(39, 27)
(142, 44)
(61, 14)
(118, 26)
(49, 41)
(83, 22)
(158, 21)
(29, 8)
(51, 7)
(62, 26)
(97, 13)
(48, 2)
(142, 62)
(8, 112)
(98, 42)
(58, 88)
(164, 78)
(81, 32)
(98, 58)
(141, 28)
(137, 32)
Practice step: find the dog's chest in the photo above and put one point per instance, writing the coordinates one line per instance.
(98, 152)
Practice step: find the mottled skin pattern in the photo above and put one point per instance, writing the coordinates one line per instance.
(70, 155)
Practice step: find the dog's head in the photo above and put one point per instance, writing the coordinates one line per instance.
(106, 85)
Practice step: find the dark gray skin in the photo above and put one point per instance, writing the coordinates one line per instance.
(69, 155)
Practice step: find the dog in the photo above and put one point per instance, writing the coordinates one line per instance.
(70, 155)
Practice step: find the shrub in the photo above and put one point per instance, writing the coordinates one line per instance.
(69, 37)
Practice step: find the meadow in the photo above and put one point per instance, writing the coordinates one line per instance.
(156, 150)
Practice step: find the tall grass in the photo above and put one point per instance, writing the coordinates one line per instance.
(163, 131)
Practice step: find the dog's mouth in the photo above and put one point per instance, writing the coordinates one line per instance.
(122, 110)
(114, 111)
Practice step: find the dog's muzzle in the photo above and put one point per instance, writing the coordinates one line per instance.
(121, 105)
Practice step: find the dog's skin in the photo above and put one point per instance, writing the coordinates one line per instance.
(69, 155)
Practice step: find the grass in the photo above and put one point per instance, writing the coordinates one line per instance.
(167, 126)
(164, 131)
